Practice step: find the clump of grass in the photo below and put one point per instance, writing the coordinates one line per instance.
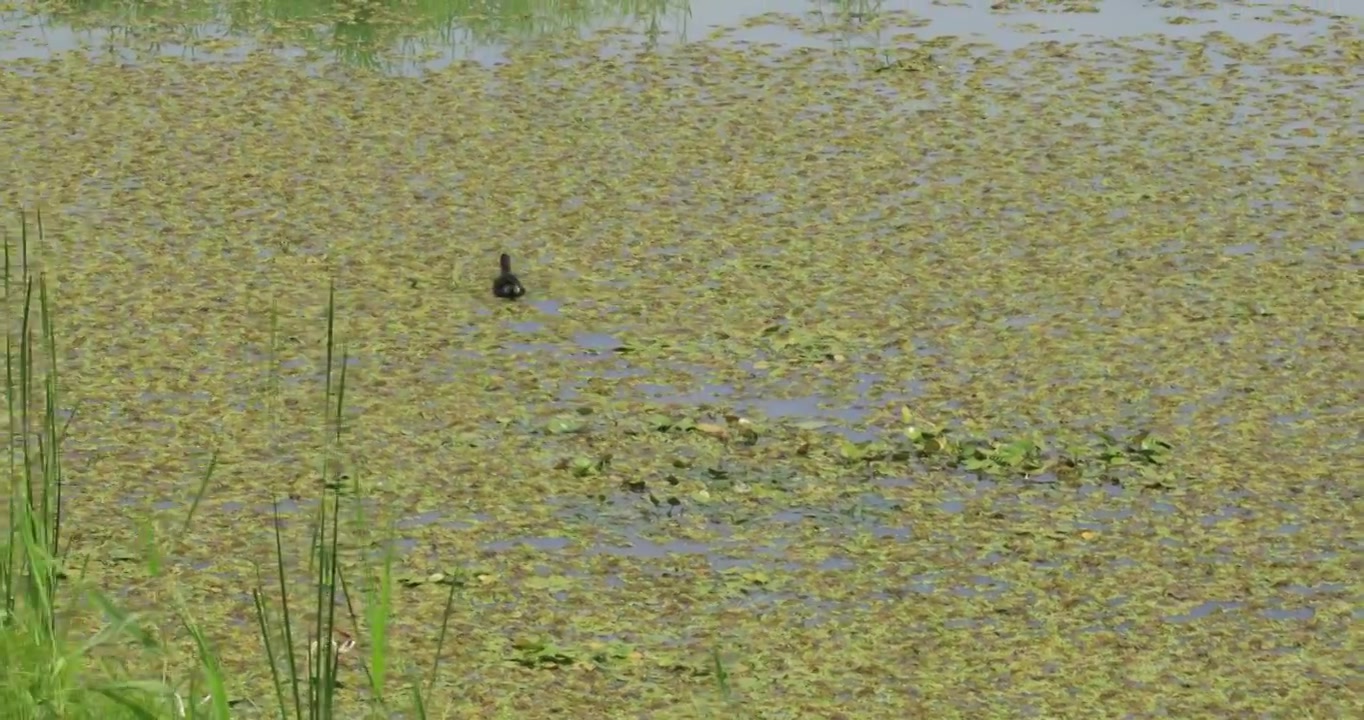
(48, 673)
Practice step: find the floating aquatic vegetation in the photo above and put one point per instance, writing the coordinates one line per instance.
(1127, 265)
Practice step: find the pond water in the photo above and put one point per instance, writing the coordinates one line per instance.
(909, 358)
(447, 35)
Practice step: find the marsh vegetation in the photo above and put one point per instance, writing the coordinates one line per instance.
(936, 379)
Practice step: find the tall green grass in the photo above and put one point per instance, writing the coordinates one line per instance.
(48, 673)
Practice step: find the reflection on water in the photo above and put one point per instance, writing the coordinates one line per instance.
(441, 40)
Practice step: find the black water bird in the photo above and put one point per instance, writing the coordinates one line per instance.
(506, 285)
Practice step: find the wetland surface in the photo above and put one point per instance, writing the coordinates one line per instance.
(908, 372)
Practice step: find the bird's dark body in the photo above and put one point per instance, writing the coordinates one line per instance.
(506, 285)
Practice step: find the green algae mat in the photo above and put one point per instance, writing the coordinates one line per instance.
(953, 381)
